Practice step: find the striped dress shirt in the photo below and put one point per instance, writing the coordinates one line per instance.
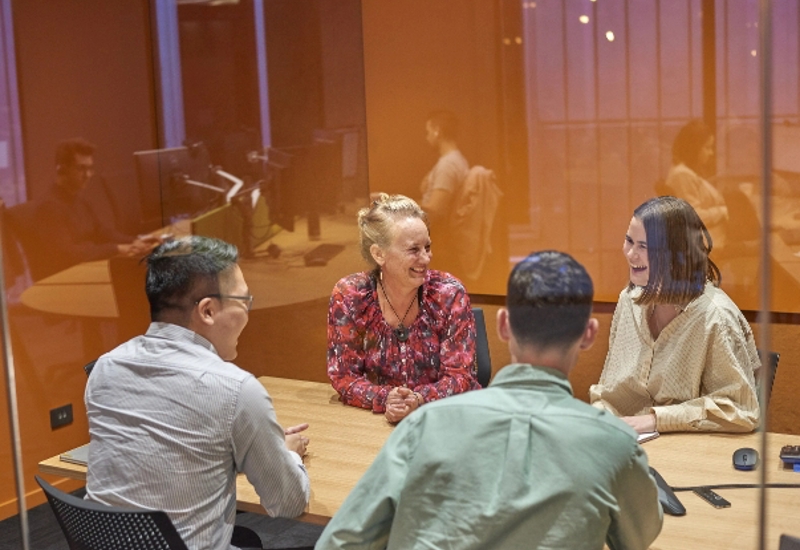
(171, 424)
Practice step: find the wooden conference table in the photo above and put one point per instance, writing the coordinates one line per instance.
(345, 441)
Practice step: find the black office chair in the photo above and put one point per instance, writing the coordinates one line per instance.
(128, 282)
(91, 526)
(89, 367)
(789, 543)
(22, 225)
(772, 365)
(482, 348)
(15, 262)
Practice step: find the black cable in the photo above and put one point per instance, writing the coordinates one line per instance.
(740, 486)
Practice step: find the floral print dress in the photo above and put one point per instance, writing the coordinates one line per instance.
(366, 360)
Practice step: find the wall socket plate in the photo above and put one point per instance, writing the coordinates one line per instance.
(60, 416)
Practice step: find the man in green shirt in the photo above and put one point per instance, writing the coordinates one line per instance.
(521, 464)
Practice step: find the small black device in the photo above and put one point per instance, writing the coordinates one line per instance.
(669, 502)
(322, 254)
(790, 454)
(711, 497)
(745, 458)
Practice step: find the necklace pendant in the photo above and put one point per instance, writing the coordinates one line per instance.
(401, 333)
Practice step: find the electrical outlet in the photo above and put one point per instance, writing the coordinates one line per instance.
(60, 416)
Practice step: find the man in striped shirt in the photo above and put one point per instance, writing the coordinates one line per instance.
(172, 421)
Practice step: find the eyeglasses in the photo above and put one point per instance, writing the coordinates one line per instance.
(246, 299)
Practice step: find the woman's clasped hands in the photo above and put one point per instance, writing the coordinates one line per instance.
(401, 402)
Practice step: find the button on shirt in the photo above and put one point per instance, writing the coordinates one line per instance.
(171, 424)
(521, 464)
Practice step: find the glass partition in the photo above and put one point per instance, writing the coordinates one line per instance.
(269, 123)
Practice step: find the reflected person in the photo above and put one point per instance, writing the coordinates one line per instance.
(692, 156)
(70, 231)
(521, 464)
(440, 186)
(681, 355)
(400, 334)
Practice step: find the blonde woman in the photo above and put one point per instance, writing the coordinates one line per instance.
(399, 334)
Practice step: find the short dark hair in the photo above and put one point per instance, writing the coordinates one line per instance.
(687, 145)
(184, 270)
(67, 149)
(678, 245)
(549, 300)
(446, 122)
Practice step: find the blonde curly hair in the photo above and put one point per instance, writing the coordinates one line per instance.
(376, 221)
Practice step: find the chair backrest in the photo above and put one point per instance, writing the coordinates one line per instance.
(482, 348)
(472, 217)
(22, 225)
(127, 282)
(92, 526)
(19, 237)
(772, 366)
(89, 367)
(789, 543)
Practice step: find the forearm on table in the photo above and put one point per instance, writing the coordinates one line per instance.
(597, 400)
(260, 452)
(708, 413)
(450, 384)
(357, 391)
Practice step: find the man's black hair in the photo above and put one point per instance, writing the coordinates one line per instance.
(185, 270)
(549, 300)
(67, 149)
(446, 122)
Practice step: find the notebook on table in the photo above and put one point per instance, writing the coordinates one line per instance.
(647, 436)
(79, 455)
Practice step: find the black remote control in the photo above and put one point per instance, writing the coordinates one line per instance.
(711, 497)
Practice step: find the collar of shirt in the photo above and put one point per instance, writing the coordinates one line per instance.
(180, 334)
(522, 375)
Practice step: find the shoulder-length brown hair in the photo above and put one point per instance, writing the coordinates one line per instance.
(678, 245)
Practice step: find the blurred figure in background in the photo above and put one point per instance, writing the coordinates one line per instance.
(692, 162)
(441, 185)
(69, 230)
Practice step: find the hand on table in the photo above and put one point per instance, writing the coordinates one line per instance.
(295, 441)
(642, 423)
(400, 403)
(296, 429)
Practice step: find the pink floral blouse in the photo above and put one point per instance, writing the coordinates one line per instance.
(365, 359)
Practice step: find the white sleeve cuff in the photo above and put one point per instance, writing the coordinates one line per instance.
(297, 458)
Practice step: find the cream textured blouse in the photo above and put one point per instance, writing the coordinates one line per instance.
(698, 375)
